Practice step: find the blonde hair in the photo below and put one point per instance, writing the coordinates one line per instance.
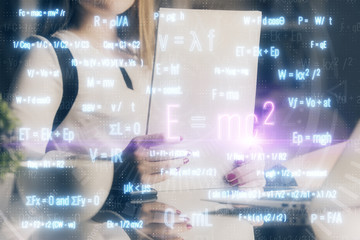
(146, 30)
(143, 9)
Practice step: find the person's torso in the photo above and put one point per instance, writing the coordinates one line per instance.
(106, 113)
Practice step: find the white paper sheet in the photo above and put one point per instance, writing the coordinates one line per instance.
(204, 88)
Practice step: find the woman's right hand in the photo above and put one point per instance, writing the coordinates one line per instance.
(152, 169)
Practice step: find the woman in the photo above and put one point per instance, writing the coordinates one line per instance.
(111, 102)
(101, 130)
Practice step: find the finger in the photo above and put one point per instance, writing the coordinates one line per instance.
(162, 167)
(251, 177)
(143, 141)
(161, 231)
(243, 170)
(256, 223)
(157, 156)
(157, 212)
(154, 178)
(255, 184)
(164, 217)
(153, 140)
(158, 207)
(150, 156)
(239, 163)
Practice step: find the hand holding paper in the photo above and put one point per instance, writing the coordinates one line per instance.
(150, 166)
(246, 174)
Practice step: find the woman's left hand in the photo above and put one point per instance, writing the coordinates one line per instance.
(150, 168)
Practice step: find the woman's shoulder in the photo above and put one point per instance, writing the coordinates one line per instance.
(38, 63)
(40, 52)
(39, 44)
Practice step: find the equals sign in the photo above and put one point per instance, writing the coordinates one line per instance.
(35, 134)
(291, 74)
(301, 102)
(322, 218)
(179, 40)
(128, 129)
(44, 201)
(198, 125)
(103, 155)
(307, 137)
(166, 69)
(89, 200)
(198, 118)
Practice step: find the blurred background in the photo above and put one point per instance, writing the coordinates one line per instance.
(339, 64)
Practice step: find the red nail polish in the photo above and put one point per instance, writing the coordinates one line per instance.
(186, 161)
(230, 177)
(178, 212)
(235, 182)
(188, 226)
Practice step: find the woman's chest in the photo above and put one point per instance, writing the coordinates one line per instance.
(106, 102)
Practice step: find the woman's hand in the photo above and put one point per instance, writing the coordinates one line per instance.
(247, 174)
(150, 167)
(161, 222)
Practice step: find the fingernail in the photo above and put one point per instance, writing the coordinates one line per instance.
(174, 139)
(187, 219)
(178, 212)
(186, 161)
(238, 163)
(188, 226)
(235, 182)
(230, 177)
